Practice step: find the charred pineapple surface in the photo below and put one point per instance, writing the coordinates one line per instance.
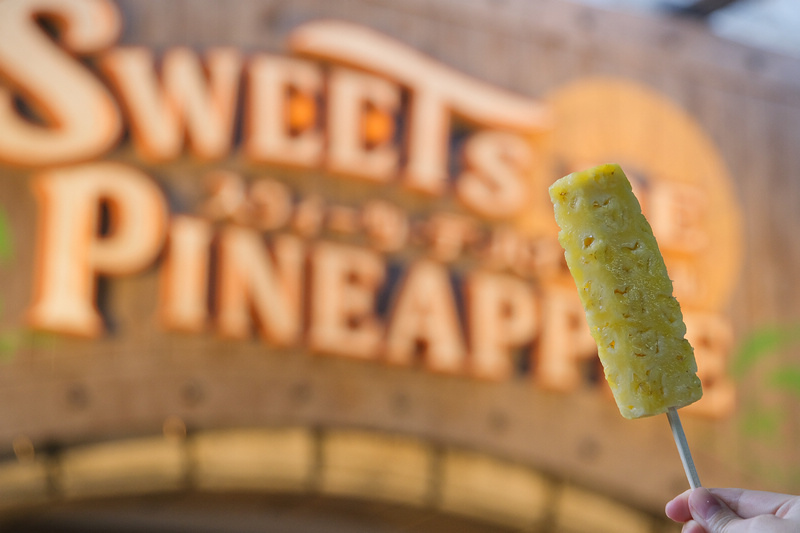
(626, 292)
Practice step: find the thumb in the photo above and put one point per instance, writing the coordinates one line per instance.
(711, 513)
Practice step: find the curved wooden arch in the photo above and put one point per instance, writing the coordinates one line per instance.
(350, 464)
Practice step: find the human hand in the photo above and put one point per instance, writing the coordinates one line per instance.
(735, 511)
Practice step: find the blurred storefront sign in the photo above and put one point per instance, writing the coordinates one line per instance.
(342, 121)
(352, 198)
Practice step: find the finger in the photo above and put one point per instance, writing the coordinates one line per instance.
(677, 509)
(750, 503)
(692, 527)
(712, 514)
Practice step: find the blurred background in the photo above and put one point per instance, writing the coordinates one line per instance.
(291, 265)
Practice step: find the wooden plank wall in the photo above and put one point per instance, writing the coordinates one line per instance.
(747, 101)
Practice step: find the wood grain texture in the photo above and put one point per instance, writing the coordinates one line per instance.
(746, 101)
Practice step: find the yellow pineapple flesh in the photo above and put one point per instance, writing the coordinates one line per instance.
(626, 292)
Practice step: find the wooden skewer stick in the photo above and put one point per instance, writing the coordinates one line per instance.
(683, 448)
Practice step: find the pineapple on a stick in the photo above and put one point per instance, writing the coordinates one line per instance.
(626, 292)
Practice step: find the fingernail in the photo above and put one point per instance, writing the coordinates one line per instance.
(704, 503)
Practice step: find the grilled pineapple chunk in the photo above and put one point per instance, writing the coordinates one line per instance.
(626, 292)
